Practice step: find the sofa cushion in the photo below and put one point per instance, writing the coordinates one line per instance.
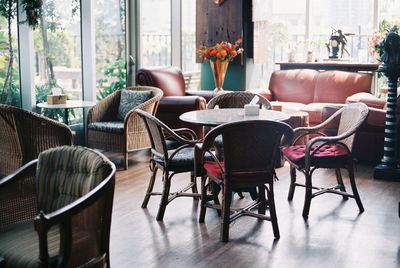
(111, 127)
(293, 85)
(130, 99)
(296, 106)
(336, 86)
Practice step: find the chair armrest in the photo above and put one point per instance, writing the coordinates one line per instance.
(206, 94)
(181, 104)
(17, 196)
(184, 132)
(367, 98)
(105, 110)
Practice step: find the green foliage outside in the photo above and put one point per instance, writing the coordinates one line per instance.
(114, 78)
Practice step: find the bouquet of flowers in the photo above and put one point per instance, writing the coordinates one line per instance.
(376, 45)
(223, 51)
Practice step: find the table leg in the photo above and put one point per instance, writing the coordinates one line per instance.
(66, 116)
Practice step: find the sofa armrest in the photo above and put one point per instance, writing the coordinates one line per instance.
(181, 104)
(206, 94)
(266, 93)
(367, 98)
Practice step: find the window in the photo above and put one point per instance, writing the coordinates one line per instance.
(155, 33)
(57, 44)
(9, 67)
(190, 68)
(110, 46)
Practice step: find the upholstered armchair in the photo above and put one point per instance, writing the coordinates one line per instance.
(113, 126)
(55, 211)
(25, 134)
(176, 99)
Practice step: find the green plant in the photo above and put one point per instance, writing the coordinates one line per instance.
(114, 78)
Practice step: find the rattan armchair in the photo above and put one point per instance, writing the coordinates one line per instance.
(25, 134)
(236, 100)
(67, 222)
(333, 152)
(120, 136)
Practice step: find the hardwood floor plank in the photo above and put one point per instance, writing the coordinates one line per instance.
(335, 235)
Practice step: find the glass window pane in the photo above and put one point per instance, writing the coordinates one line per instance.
(190, 68)
(9, 67)
(155, 32)
(354, 18)
(110, 46)
(57, 44)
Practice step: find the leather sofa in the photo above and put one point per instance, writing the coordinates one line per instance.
(322, 93)
(310, 90)
(176, 99)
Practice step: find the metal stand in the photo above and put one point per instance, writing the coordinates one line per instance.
(389, 168)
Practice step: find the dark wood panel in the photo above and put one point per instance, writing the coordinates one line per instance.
(216, 23)
(335, 235)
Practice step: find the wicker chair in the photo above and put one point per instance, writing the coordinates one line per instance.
(70, 216)
(106, 132)
(334, 152)
(171, 162)
(249, 151)
(24, 135)
(236, 100)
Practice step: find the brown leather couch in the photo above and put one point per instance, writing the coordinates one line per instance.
(176, 99)
(311, 90)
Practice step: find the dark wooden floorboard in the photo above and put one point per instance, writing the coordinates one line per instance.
(335, 235)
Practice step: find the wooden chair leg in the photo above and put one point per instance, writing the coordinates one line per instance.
(340, 182)
(262, 206)
(150, 187)
(308, 195)
(292, 182)
(226, 201)
(272, 210)
(203, 199)
(194, 187)
(164, 197)
(354, 189)
(215, 189)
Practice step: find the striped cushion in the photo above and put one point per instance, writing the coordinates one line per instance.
(66, 173)
(112, 127)
(19, 246)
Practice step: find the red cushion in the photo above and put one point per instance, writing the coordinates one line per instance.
(238, 177)
(326, 156)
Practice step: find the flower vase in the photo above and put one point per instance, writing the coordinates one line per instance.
(219, 68)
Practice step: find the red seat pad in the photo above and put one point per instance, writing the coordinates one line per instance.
(239, 177)
(327, 156)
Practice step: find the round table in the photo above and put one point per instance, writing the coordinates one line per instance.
(71, 104)
(216, 117)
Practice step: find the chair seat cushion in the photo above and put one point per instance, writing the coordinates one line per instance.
(111, 127)
(130, 99)
(184, 159)
(19, 245)
(326, 156)
(240, 178)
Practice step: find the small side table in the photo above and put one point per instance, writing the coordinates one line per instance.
(71, 104)
(298, 119)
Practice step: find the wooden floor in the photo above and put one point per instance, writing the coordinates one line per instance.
(335, 235)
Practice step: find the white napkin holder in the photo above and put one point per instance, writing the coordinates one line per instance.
(251, 109)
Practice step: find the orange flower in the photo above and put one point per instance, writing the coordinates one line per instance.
(224, 51)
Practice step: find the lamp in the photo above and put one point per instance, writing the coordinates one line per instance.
(218, 2)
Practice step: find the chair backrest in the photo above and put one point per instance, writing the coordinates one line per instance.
(25, 134)
(169, 79)
(250, 148)
(352, 116)
(155, 129)
(236, 100)
(67, 173)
